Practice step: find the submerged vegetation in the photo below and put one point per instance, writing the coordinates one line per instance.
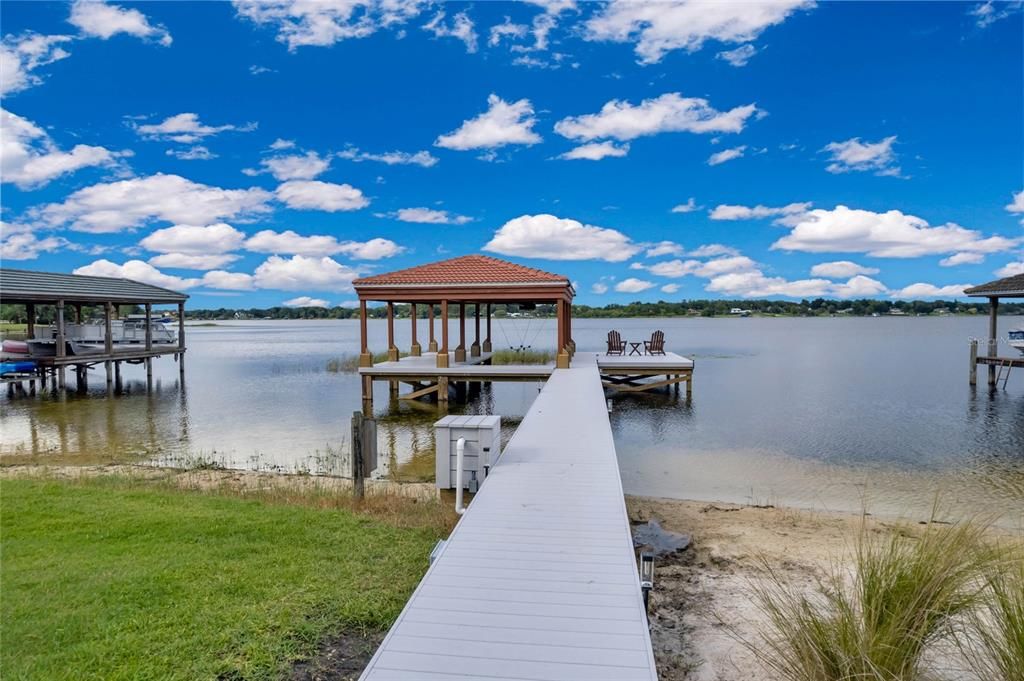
(903, 597)
(116, 577)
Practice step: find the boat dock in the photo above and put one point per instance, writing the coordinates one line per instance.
(539, 578)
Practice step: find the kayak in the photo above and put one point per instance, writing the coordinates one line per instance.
(15, 347)
(16, 367)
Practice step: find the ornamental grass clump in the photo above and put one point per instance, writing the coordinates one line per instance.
(875, 621)
(994, 641)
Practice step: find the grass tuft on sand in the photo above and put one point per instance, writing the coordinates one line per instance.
(118, 579)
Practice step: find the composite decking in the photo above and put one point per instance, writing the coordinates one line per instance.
(538, 581)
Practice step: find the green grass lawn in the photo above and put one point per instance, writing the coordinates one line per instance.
(107, 580)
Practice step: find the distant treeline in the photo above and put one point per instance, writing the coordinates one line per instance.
(818, 307)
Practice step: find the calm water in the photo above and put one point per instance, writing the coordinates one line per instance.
(822, 413)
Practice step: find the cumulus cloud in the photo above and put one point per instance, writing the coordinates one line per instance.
(101, 20)
(17, 244)
(186, 128)
(674, 269)
(229, 281)
(1017, 205)
(599, 288)
(293, 167)
(923, 290)
(726, 155)
(671, 112)
(428, 216)
(461, 27)
(854, 155)
(127, 204)
(506, 30)
(136, 270)
(734, 212)
(841, 269)
(189, 261)
(963, 259)
(688, 207)
(290, 242)
(305, 301)
(661, 27)
(670, 288)
(1010, 269)
(301, 23)
(29, 158)
(304, 273)
(502, 124)
(739, 56)
(663, 248)
(712, 250)
(21, 55)
(884, 235)
(554, 238)
(196, 153)
(194, 239)
(317, 195)
(419, 158)
(633, 285)
(595, 151)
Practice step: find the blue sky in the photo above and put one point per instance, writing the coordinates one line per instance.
(258, 154)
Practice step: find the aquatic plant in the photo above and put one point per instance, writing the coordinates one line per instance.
(349, 364)
(994, 641)
(875, 622)
(522, 357)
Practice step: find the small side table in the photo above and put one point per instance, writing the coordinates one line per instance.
(634, 348)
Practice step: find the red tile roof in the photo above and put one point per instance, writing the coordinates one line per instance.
(466, 269)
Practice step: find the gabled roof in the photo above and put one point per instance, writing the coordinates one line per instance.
(471, 270)
(49, 287)
(1011, 287)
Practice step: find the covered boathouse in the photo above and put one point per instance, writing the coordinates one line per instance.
(998, 367)
(71, 293)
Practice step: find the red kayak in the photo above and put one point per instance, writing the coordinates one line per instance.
(15, 347)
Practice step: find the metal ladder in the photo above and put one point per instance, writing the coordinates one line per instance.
(1000, 375)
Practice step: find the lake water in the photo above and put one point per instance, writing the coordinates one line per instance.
(823, 413)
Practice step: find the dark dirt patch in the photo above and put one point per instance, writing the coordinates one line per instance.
(340, 658)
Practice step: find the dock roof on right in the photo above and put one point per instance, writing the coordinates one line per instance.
(1007, 287)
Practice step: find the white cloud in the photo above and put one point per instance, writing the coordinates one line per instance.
(304, 273)
(688, 207)
(137, 270)
(23, 54)
(754, 284)
(840, 269)
(670, 288)
(660, 27)
(282, 144)
(293, 167)
(461, 28)
(675, 269)
(292, 243)
(25, 245)
(187, 261)
(988, 13)
(258, 70)
(633, 285)
(663, 248)
(194, 240)
(884, 235)
(302, 23)
(732, 212)
(554, 238)
(599, 288)
(923, 290)
(671, 112)
(420, 158)
(428, 216)
(186, 128)
(1010, 269)
(1017, 205)
(858, 287)
(854, 155)
(317, 195)
(726, 155)
(739, 56)
(305, 301)
(229, 281)
(595, 151)
(502, 124)
(506, 29)
(29, 158)
(126, 204)
(963, 259)
(712, 250)
(196, 153)
(100, 20)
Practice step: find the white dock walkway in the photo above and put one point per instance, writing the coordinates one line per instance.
(538, 581)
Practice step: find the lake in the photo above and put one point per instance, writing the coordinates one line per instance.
(825, 413)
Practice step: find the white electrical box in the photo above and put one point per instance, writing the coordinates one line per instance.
(483, 445)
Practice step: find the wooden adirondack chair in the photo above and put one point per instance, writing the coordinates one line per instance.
(616, 346)
(655, 346)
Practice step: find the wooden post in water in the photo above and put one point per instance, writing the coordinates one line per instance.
(108, 341)
(181, 340)
(149, 341)
(974, 362)
(993, 340)
(59, 350)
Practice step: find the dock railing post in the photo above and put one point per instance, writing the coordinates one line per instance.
(974, 362)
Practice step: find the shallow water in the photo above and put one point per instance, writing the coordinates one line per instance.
(823, 413)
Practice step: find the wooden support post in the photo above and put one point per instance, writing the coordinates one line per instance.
(149, 341)
(460, 351)
(365, 358)
(415, 350)
(181, 340)
(442, 391)
(474, 350)
(59, 350)
(562, 358)
(392, 348)
(367, 382)
(30, 314)
(993, 340)
(487, 341)
(432, 343)
(108, 339)
(358, 473)
(568, 329)
(973, 375)
(689, 386)
(442, 353)
(78, 313)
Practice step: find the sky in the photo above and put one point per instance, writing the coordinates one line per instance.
(268, 153)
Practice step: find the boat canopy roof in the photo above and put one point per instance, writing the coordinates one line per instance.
(1007, 287)
(24, 286)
